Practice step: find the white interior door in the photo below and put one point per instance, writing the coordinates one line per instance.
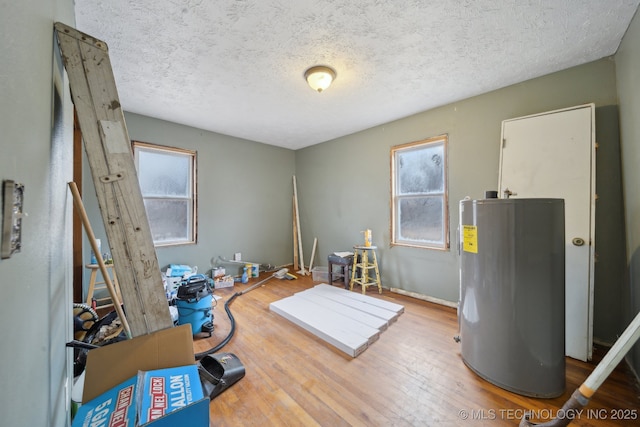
(553, 155)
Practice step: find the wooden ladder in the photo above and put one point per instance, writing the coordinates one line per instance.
(108, 149)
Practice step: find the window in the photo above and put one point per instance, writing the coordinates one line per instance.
(419, 213)
(168, 183)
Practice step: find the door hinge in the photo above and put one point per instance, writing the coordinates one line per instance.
(504, 142)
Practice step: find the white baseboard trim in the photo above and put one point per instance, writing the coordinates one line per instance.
(425, 297)
(625, 358)
(602, 343)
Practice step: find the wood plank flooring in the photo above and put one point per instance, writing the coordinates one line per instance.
(413, 375)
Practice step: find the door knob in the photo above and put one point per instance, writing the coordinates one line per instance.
(578, 241)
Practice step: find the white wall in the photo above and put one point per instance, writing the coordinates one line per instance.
(35, 150)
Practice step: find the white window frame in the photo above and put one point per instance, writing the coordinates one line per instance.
(397, 198)
(190, 236)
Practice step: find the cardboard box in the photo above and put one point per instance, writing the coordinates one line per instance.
(163, 391)
(115, 407)
(218, 272)
(109, 366)
(223, 282)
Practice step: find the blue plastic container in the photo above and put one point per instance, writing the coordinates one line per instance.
(178, 270)
(197, 312)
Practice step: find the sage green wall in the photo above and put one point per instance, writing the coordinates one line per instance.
(344, 187)
(244, 196)
(627, 66)
(245, 193)
(36, 118)
(344, 184)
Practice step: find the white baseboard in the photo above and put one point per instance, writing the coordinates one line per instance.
(625, 358)
(425, 297)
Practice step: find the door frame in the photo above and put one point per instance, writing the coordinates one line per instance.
(592, 205)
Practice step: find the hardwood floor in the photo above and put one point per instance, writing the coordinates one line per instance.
(413, 375)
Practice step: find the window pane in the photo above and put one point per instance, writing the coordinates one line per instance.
(419, 194)
(421, 170)
(167, 178)
(420, 219)
(168, 219)
(163, 174)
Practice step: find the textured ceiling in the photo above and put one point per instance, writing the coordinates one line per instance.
(236, 66)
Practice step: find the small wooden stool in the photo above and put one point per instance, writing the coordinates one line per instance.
(362, 266)
(95, 286)
(345, 262)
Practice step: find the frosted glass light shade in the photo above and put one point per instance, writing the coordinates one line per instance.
(320, 77)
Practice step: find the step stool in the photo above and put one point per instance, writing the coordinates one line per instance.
(361, 265)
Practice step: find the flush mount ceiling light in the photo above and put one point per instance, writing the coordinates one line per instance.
(319, 77)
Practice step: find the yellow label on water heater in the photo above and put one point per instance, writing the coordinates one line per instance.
(470, 238)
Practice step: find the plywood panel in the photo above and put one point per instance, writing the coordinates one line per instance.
(107, 145)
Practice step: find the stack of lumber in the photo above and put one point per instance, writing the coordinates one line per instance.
(349, 321)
